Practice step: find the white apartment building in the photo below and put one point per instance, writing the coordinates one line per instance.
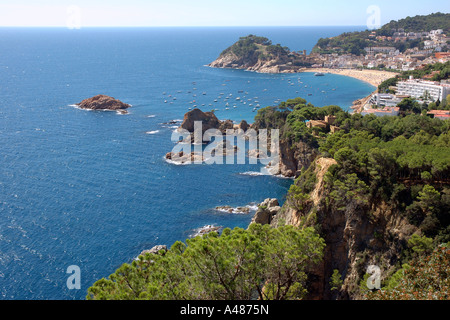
(420, 89)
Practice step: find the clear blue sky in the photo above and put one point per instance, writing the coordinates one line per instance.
(209, 12)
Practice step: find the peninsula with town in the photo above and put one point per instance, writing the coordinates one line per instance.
(403, 59)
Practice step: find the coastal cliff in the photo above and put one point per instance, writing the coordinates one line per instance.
(357, 236)
(258, 54)
(371, 207)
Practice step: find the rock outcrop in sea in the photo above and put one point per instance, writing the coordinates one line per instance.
(267, 210)
(209, 121)
(258, 54)
(103, 102)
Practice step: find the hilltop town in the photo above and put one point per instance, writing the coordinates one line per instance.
(402, 59)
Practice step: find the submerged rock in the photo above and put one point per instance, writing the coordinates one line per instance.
(185, 158)
(229, 209)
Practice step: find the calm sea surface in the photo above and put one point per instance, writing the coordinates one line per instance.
(92, 189)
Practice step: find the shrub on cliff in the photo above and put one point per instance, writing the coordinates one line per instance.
(261, 262)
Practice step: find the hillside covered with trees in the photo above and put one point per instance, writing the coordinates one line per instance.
(355, 42)
(256, 53)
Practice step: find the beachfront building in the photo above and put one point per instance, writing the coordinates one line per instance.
(427, 90)
(439, 114)
(386, 100)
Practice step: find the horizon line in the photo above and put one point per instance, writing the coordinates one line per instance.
(176, 26)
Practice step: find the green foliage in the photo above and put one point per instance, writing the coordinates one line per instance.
(426, 278)
(384, 86)
(418, 24)
(266, 262)
(298, 199)
(428, 69)
(355, 42)
(336, 280)
(350, 42)
(253, 48)
(420, 244)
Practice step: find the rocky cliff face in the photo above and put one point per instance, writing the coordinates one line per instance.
(293, 158)
(232, 61)
(355, 237)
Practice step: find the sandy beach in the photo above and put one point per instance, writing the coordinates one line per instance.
(374, 77)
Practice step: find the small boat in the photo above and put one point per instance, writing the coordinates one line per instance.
(319, 74)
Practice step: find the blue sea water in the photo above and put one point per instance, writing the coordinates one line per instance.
(91, 188)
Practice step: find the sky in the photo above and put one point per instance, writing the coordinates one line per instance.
(114, 13)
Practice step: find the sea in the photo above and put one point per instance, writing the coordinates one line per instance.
(92, 189)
